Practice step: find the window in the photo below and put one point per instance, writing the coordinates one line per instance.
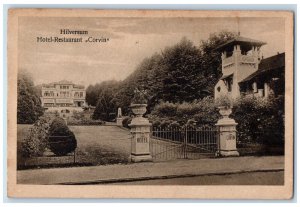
(254, 86)
(63, 94)
(229, 82)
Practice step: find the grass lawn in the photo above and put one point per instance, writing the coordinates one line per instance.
(96, 145)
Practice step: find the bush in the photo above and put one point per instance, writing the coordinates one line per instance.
(126, 121)
(174, 124)
(61, 140)
(202, 111)
(140, 97)
(165, 109)
(224, 100)
(260, 121)
(83, 118)
(208, 114)
(36, 140)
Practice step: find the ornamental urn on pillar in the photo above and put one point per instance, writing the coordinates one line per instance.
(227, 129)
(140, 129)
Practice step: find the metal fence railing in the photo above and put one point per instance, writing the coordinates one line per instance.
(183, 142)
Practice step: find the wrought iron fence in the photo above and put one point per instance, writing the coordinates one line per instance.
(186, 142)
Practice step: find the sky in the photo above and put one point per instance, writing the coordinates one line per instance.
(130, 41)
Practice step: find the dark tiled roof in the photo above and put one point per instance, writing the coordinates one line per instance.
(268, 64)
(241, 41)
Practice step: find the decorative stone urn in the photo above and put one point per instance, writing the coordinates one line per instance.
(140, 131)
(139, 110)
(225, 111)
(227, 130)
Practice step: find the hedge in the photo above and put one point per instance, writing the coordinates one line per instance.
(259, 120)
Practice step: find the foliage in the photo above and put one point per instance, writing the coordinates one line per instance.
(140, 97)
(211, 58)
(126, 121)
(93, 91)
(202, 112)
(29, 105)
(224, 101)
(106, 102)
(179, 73)
(83, 118)
(36, 140)
(61, 140)
(260, 121)
(208, 115)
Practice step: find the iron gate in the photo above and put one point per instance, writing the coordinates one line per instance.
(167, 143)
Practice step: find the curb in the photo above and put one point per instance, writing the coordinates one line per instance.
(122, 180)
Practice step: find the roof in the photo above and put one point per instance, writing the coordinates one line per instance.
(266, 65)
(226, 76)
(244, 41)
(65, 82)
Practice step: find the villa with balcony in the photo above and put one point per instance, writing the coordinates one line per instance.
(63, 97)
(244, 72)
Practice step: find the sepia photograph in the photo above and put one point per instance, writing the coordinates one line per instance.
(157, 104)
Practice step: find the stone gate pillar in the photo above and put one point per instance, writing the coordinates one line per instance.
(227, 134)
(140, 131)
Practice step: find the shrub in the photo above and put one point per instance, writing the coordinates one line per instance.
(36, 140)
(126, 121)
(61, 140)
(156, 123)
(62, 145)
(165, 109)
(260, 121)
(165, 123)
(174, 124)
(224, 100)
(207, 115)
(140, 97)
(83, 118)
(202, 111)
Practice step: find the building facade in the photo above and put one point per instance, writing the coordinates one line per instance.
(244, 72)
(63, 96)
(268, 80)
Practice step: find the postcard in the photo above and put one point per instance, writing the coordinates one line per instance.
(150, 104)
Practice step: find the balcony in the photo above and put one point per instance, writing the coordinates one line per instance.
(247, 59)
(227, 61)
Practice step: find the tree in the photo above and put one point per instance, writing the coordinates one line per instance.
(211, 58)
(106, 104)
(29, 107)
(183, 80)
(180, 73)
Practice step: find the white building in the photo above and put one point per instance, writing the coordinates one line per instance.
(63, 97)
(240, 59)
